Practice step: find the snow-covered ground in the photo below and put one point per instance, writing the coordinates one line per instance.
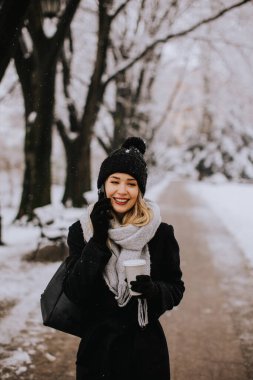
(233, 204)
(22, 282)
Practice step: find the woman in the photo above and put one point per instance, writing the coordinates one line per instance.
(122, 337)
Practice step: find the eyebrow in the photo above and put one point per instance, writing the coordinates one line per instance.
(128, 179)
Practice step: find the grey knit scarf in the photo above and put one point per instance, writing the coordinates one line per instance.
(126, 243)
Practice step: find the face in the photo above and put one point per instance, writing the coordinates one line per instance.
(123, 191)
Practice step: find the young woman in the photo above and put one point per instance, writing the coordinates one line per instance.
(122, 337)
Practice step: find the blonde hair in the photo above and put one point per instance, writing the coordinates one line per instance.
(139, 215)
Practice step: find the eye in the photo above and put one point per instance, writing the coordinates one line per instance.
(132, 184)
(114, 182)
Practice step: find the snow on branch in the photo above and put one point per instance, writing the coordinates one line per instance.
(130, 62)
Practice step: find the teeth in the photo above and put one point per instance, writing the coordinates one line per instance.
(121, 201)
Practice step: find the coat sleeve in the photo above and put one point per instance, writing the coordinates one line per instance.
(169, 284)
(85, 264)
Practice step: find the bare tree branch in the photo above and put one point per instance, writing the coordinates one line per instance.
(223, 41)
(172, 98)
(103, 145)
(34, 25)
(10, 90)
(239, 46)
(81, 81)
(137, 25)
(63, 26)
(165, 39)
(62, 132)
(122, 6)
(142, 6)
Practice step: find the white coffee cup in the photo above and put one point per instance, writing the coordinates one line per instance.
(134, 268)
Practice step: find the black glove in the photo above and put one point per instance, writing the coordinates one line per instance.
(100, 218)
(145, 286)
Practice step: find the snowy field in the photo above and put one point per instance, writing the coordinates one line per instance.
(22, 282)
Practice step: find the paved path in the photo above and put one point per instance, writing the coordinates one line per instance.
(210, 333)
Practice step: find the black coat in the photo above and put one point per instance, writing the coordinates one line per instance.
(114, 346)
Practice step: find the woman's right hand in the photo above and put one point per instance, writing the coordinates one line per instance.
(100, 218)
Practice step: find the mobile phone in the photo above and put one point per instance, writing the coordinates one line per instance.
(101, 193)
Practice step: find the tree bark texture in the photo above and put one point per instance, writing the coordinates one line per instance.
(38, 85)
(76, 170)
(12, 14)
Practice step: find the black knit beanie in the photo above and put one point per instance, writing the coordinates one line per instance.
(127, 159)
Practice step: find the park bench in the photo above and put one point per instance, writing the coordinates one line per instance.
(52, 226)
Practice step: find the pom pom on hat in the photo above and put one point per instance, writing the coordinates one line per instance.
(127, 159)
(135, 142)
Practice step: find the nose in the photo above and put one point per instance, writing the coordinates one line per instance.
(122, 188)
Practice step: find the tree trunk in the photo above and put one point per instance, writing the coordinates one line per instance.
(43, 145)
(76, 174)
(38, 84)
(37, 71)
(84, 167)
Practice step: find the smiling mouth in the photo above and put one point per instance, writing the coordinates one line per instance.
(120, 201)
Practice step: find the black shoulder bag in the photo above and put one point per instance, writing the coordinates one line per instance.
(57, 310)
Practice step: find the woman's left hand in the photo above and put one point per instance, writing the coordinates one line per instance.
(145, 286)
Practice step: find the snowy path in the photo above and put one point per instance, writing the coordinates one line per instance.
(210, 335)
(233, 205)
